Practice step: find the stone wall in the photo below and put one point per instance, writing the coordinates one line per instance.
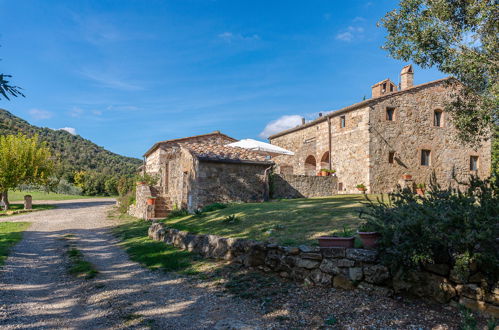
(336, 267)
(140, 209)
(300, 186)
(228, 182)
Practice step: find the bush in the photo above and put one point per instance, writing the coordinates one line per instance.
(213, 207)
(125, 201)
(444, 226)
(178, 213)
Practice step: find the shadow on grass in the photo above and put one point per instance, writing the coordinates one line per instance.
(10, 234)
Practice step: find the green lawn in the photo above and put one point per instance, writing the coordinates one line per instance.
(10, 234)
(287, 222)
(16, 195)
(17, 207)
(153, 254)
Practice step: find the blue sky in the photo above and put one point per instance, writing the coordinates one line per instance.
(126, 74)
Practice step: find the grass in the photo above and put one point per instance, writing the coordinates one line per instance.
(153, 254)
(20, 207)
(10, 234)
(16, 195)
(79, 267)
(287, 222)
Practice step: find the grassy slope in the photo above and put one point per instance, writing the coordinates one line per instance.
(152, 254)
(10, 234)
(303, 219)
(40, 195)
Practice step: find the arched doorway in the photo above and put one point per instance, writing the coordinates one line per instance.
(325, 160)
(310, 165)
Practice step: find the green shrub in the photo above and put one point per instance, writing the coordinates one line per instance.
(230, 219)
(175, 213)
(125, 201)
(444, 226)
(213, 207)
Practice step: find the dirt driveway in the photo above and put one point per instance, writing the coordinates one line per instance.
(37, 292)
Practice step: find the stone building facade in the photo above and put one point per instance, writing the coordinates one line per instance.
(196, 171)
(377, 141)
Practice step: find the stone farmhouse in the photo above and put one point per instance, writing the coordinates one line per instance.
(398, 132)
(196, 171)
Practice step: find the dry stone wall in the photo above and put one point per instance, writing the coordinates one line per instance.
(300, 186)
(337, 267)
(140, 209)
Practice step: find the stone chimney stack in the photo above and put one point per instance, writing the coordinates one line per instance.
(302, 121)
(406, 77)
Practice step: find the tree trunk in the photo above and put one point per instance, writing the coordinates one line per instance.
(4, 200)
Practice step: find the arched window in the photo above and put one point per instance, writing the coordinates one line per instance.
(437, 118)
(325, 160)
(310, 165)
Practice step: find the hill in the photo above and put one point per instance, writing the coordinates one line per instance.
(72, 152)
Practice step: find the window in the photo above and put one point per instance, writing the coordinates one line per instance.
(437, 118)
(473, 163)
(340, 186)
(343, 121)
(391, 88)
(389, 114)
(425, 157)
(391, 156)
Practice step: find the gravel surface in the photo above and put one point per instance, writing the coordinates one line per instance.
(37, 292)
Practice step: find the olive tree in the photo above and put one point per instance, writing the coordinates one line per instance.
(23, 160)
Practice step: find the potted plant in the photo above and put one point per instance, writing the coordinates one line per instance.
(151, 200)
(140, 183)
(420, 189)
(406, 176)
(368, 235)
(362, 188)
(323, 172)
(342, 239)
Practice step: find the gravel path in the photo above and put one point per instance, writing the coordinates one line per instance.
(37, 292)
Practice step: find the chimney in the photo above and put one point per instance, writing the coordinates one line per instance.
(406, 77)
(303, 121)
(382, 88)
(320, 114)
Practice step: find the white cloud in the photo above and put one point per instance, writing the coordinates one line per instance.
(281, 124)
(353, 32)
(70, 130)
(110, 81)
(76, 112)
(40, 114)
(230, 37)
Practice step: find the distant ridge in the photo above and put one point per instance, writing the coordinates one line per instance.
(73, 152)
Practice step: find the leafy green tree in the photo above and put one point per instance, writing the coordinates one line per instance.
(7, 89)
(460, 38)
(23, 160)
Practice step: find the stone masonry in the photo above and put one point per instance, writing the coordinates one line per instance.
(338, 267)
(377, 141)
(302, 186)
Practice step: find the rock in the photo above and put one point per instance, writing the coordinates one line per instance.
(470, 291)
(330, 267)
(355, 273)
(320, 278)
(379, 290)
(362, 255)
(284, 274)
(307, 249)
(480, 306)
(342, 282)
(306, 263)
(477, 278)
(376, 274)
(433, 286)
(291, 250)
(299, 274)
(439, 269)
(310, 255)
(333, 252)
(345, 263)
(458, 277)
(271, 246)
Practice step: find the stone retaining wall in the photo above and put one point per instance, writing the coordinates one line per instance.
(337, 267)
(140, 209)
(300, 186)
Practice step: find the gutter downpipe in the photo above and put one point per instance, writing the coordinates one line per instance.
(329, 140)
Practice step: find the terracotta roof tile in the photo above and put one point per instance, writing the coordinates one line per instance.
(224, 153)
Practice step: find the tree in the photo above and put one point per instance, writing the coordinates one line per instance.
(23, 160)
(7, 89)
(460, 38)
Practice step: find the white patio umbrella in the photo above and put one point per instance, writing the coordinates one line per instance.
(261, 147)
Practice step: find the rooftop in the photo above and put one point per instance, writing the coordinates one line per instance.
(215, 152)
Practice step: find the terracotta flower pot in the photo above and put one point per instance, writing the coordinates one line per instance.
(323, 173)
(407, 177)
(334, 241)
(140, 183)
(151, 201)
(362, 190)
(369, 238)
(420, 191)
